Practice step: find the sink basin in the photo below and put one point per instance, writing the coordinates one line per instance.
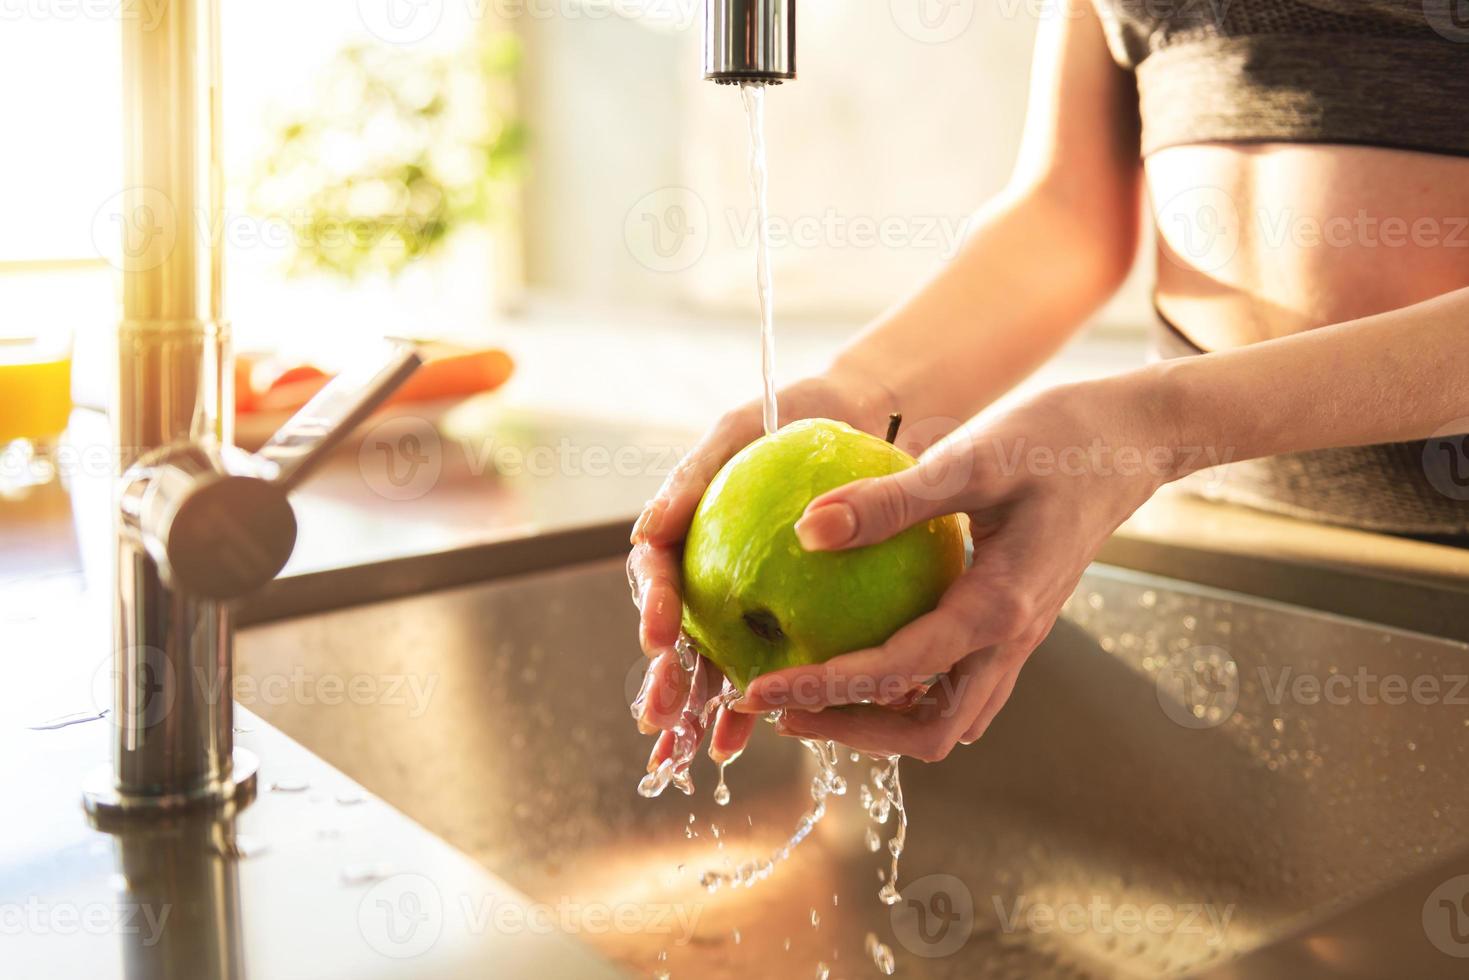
(1162, 797)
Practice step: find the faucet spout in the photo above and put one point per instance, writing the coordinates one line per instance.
(749, 41)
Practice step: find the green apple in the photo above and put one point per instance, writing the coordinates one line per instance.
(755, 601)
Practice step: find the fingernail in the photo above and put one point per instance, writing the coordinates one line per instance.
(751, 702)
(642, 699)
(648, 520)
(785, 726)
(721, 757)
(829, 526)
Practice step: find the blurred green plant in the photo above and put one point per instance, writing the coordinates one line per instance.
(394, 152)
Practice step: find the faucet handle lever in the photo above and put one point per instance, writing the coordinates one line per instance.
(323, 422)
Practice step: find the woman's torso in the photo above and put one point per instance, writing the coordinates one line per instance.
(1262, 240)
(1307, 160)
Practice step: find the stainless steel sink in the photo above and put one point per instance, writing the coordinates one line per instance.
(1162, 797)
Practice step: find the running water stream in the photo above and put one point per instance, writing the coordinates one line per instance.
(754, 97)
(885, 795)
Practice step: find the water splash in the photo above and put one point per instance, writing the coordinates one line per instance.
(753, 94)
(694, 721)
(825, 783)
(882, 800)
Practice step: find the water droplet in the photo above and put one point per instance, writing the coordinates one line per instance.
(721, 791)
(240, 846)
(289, 785)
(881, 954)
(365, 874)
(66, 721)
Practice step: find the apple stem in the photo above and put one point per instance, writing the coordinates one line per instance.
(894, 420)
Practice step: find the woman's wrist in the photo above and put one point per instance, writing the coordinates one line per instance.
(1132, 421)
(868, 397)
(1159, 396)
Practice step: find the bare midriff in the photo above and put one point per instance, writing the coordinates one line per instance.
(1262, 241)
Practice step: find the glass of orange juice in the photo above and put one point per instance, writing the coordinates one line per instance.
(35, 404)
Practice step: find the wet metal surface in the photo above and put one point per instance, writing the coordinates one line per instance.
(317, 880)
(1183, 778)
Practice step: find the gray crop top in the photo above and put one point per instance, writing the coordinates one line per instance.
(1391, 73)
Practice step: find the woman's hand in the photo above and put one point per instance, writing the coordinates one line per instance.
(656, 559)
(1043, 488)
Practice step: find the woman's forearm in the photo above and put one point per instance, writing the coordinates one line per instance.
(1030, 272)
(1041, 257)
(1395, 376)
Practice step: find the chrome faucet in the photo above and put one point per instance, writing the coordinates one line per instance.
(749, 41)
(199, 522)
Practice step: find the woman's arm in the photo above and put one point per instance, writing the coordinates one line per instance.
(1399, 375)
(1045, 485)
(1041, 257)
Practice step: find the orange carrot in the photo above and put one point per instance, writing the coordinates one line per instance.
(456, 375)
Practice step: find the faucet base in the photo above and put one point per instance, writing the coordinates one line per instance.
(105, 802)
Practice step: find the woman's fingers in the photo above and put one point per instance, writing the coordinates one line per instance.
(966, 620)
(662, 750)
(868, 511)
(930, 729)
(666, 518)
(660, 703)
(653, 573)
(732, 731)
(987, 714)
